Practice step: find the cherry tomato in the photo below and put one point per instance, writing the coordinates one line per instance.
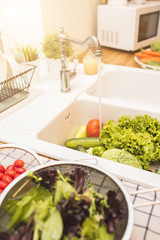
(93, 128)
(1, 175)
(1, 190)
(10, 167)
(10, 173)
(20, 170)
(7, 179)
(17, 175)
(3, 184)
(19, 163)
(2, 169)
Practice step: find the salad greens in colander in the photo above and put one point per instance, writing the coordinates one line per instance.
(59, 207)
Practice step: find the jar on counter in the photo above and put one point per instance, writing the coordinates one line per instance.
(90, 63)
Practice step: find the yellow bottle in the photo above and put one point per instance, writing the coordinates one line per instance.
(90, 63)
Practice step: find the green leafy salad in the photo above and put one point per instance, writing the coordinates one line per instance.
(59, 207)
(138, 136)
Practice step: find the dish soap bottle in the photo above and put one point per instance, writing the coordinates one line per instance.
(90, 63)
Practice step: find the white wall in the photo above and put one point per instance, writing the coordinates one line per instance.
(29, 20)
(21, 20)
(78, 17)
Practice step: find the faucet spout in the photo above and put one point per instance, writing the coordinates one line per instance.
(88, 40)
(66, 75)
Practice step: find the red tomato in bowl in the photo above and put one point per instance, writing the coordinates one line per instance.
(1, 175)
(2, 169)
(19, 163)
(3, 184)
(11, 173)
(17, 175)
(10, 167)
(7, 179)
(93, 128)
(20, 170)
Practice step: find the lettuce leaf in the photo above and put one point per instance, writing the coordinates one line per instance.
(91, 231)
(21, 211)
(139, 136)
(122, 156)
(53, 226)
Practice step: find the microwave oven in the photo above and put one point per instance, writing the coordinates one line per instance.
(128, 27)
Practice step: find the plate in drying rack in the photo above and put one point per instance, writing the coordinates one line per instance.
(3, 67)
(16, 88)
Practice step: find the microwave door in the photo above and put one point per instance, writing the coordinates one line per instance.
(149, 29)
(148, 26)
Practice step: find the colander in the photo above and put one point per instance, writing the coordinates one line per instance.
(100, 178)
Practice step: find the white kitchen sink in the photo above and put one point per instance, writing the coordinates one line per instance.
(127, 87)
(45, 123)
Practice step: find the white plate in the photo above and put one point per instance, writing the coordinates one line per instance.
(3, 67)
(12, 67)
(145, 65)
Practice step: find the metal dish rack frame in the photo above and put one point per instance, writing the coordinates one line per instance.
(16, 88)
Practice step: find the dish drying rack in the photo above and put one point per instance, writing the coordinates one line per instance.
(16, 88)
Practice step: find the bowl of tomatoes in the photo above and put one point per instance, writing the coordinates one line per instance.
(14, 161)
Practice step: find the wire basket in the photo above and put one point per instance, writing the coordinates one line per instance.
(16, 84)
(16, 88)
(101, 179)
(11, 152)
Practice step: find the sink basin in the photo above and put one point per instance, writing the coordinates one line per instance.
(65, 125)
(128, 87)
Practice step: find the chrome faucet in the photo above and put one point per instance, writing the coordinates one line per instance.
(65, 74)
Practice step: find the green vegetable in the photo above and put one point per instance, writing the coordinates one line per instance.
(98, 151)
(155, 46)
(91, 230)
(153, 63)
(22, 210)
(53, 226)
(85, 142)
(139, 136)
(122, 156)
(31, 175)
(81, 132)
(157, 171)
(63, 189)
(69, 211)
(89, 150)
(112, 154)
(80, 148)
(92, 194)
